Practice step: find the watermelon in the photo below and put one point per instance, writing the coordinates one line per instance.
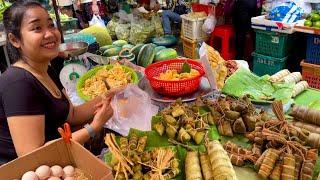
(158, 48)
(167, 40)
(165, 54)
(120, 43)
(146, 55)
(136, 49)
(114, 51)
(128, 46)
(104, 48)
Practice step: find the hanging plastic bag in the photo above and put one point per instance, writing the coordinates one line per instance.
(132, 108)
(209, 24)
(96, 20)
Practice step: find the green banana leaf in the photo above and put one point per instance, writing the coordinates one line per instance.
(309, 97)
(243, 82)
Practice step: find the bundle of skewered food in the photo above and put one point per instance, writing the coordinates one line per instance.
(235, 115)
(285, 154)
(131, 161)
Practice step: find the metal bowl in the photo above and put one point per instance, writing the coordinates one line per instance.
(73, 49)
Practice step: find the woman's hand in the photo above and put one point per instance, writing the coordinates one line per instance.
(103, 113)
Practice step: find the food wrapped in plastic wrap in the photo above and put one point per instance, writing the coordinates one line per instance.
(111, 26)
(141, 30)
(123, 31)
(156, 20)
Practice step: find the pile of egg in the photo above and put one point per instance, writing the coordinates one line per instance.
(45, 172)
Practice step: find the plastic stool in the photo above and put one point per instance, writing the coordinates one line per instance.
(227, 35)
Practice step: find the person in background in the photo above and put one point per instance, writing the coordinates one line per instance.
(243, 11)
(65, 7)
(88, 8)
(175, 8)
(33, 103)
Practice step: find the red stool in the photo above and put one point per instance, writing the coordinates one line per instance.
(227, 35)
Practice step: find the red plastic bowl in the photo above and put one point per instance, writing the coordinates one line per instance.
(173, 88)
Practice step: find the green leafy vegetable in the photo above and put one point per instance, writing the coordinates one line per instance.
(186, 68)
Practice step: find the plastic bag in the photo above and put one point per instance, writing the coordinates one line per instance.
(96, 20)
(209, 24)
(123, 31)
(132, 108)
(287, 12)
(158, 29)
(141, 30)
(111, 26)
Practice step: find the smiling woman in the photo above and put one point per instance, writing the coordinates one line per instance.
(33, 103)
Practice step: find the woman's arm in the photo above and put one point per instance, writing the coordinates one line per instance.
(79, 115)
(27, 132)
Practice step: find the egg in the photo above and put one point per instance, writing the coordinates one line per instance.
(30, 175)
(43, 172)
(69, 178)
(56, 171)
(68, 171)
(53, 178)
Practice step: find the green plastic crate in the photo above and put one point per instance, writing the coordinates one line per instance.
(273, 43)
(267, 65)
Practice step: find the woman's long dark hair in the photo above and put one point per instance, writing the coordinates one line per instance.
(12, 20)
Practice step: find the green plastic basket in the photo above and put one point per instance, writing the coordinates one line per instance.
(273, 43)
(92, 72)
(267, 65)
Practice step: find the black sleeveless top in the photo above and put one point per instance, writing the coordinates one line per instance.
(21, 93)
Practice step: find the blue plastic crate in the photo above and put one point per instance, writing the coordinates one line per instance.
(313, 49)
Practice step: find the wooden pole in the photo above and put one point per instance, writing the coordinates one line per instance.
(56, 12)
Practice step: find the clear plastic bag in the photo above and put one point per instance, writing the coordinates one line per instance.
(132, 109)
(209, 24)
(123, 31)
(96, 20)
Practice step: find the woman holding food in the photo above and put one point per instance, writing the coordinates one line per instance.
(33, 103)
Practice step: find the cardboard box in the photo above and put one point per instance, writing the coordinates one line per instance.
(57, 153)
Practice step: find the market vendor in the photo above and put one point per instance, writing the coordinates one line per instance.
(33, 103)
(65, 7)
(89, 8)
(150, 5)
(172, 14)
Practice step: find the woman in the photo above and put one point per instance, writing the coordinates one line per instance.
(33, 103)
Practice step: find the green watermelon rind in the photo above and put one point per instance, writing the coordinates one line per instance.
(112, 51)
(106, 47)
(120, 43)
(166, 54)
(159, 48)
(146, 58)
(136, 49)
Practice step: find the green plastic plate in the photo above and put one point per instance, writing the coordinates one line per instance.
(93, 71)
